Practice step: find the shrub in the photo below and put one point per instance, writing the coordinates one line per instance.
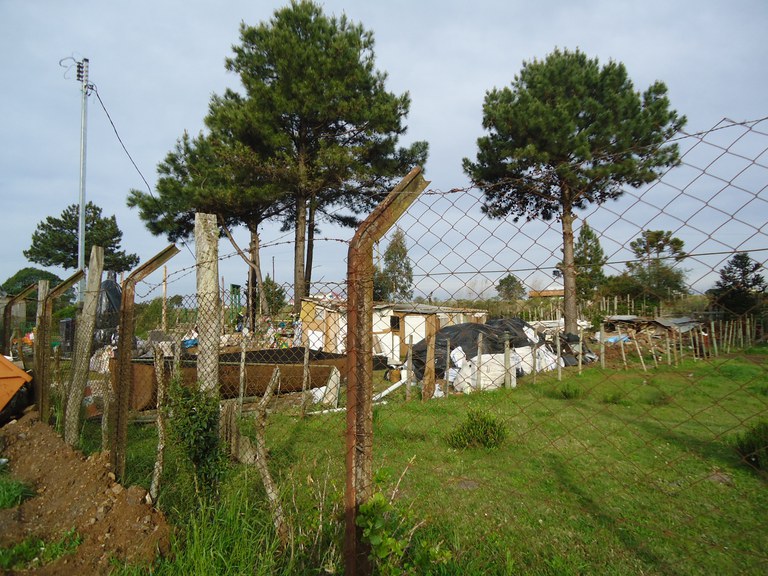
(659, 398)
(479, 429)
(614, 398)
(752, 445)
(569, 392)
(194, 425)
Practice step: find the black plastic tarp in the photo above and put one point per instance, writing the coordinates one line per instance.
(107, 313)
(465, 335)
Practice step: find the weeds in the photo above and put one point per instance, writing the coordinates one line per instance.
(752, 445)
(34, 552)
(390, 533)
(569, 391)
(614, 398)
(480, 429)
(12, 492)
(194, 425)
(660, 398)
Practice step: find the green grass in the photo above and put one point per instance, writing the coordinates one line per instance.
(34, 552)
(636, 472)
(12, 492)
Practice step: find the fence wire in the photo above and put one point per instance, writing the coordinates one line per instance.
(500, 444)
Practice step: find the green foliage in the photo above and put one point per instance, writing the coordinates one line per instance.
(377, 519)
(31, 275)
(27, 276)
(569, 391)
(55, 241)
(652, 279)
(660, 398)
(69, 311)
(656, 278)
(752, 445)
(394, 281)
(510, 288)
(616, 397)
(566, 134)
(479, 429)
(589, 259)
(275, 293)
(34, 552)
(149, 315)
(194, 425)
(740, 288)
(657, 244)
(389, 533)
(313, 132)
(12, 492)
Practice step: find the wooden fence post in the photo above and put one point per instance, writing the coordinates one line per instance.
(208, 311)
(83, 345)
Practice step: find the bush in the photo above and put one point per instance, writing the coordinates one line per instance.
(752, 445)
(479, 429)
(614, 398)
(194, 425)
(569, 392)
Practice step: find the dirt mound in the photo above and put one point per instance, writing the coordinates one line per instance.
(76, 492)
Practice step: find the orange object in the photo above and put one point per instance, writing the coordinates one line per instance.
(11, 379)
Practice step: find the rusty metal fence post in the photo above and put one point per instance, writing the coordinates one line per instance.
(42, 378)
(8, 317)
(120, 400)
(359, 435)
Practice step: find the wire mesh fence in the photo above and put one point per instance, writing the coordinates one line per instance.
(490, 440)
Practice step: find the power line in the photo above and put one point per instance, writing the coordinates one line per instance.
(119, 139)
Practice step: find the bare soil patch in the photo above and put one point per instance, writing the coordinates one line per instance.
(72, 491)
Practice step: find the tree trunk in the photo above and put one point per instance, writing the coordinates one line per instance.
(256, 272)
(298, 254)
(570, 313)
(310, 246)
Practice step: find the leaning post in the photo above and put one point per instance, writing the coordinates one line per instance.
(359, 369)
(120, 400)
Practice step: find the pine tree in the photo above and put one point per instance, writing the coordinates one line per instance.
(55, 241)
(741, 287)
(588, 258)
(569, 133)
(394, 281)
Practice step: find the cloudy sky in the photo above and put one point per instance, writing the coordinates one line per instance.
(157, 63)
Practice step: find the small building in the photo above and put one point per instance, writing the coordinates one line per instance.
(324, 324)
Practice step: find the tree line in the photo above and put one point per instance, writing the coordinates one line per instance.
(654, 276)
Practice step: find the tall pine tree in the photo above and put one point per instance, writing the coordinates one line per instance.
(568, 133)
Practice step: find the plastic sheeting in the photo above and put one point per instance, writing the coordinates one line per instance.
(519, 333)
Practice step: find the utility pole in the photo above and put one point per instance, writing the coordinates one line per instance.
(82, 77)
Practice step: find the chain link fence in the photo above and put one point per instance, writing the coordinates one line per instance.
(487, 440)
